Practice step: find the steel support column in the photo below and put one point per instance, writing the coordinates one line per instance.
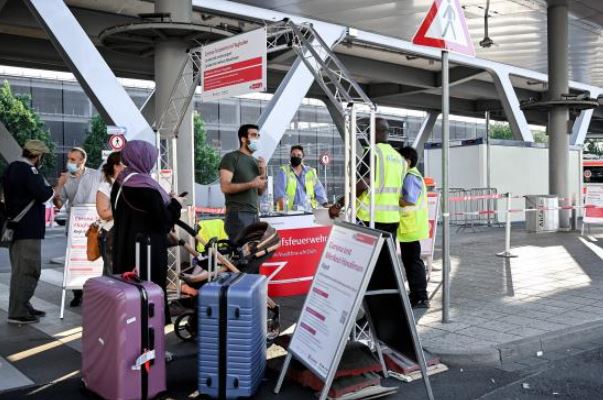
(425, 132)
(286, 101)
(557, 27)
(9, 148)
(580, 128)
(92, 72)
(178, 155)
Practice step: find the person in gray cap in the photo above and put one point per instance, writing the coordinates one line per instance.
(26, 192)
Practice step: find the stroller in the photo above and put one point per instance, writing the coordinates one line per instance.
(252, 246)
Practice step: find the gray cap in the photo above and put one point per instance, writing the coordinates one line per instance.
(36, 147)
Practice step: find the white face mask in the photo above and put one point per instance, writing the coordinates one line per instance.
(253, 145)
(72, 167)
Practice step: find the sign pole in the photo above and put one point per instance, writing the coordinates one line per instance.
(445, 214)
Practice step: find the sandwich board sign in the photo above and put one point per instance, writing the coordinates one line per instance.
(444, 27)
(78, 269)
(358, 267)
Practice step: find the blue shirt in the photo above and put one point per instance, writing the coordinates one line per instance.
(411, 188)
(280, 187)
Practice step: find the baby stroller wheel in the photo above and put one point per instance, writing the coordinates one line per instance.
(185, 326)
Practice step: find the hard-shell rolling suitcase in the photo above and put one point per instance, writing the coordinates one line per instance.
(232, 335)
(123, 342)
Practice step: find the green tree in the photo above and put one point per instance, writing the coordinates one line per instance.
(540, 137)
(499, 130)
(24, 124)
(207, 158)
(96, 141)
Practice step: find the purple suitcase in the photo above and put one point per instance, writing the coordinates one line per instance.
(122, 321)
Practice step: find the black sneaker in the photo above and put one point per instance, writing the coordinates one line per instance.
(30, 319)
(37, 313)
(76, 302)
(421, 304)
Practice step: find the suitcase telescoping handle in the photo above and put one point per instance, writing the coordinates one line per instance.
(147, 241)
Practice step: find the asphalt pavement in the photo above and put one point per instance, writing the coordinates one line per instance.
(52, 247)
(575, 376)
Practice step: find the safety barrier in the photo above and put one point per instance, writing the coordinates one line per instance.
(473, 208)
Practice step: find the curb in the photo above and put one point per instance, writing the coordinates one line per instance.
(522, 348)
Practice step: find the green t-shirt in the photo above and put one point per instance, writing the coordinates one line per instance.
(244, 168)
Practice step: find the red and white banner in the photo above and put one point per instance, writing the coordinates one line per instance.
(234, 66)
(593, 203)
(299, 256)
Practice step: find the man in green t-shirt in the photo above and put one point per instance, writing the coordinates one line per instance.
(242, 180)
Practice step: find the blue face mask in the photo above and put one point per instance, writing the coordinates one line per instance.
(253, 145)
(72, 168)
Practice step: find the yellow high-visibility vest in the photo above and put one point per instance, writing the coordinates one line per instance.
(291, 184)
(211, 228)
(390, 169)
(414, 220)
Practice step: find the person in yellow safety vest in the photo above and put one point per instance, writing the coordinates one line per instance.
(414, 227)
(390, 169)
(210, 228)
(298, 183)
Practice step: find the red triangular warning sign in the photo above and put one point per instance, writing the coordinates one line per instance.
(445, 27)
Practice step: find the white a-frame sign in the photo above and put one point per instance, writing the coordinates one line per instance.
(359, 267)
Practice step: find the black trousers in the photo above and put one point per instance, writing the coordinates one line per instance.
(415, 270)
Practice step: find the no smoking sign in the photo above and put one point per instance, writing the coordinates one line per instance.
(117, 142)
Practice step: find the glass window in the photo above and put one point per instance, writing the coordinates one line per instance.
(75, 133)
(213, 138)
(229, 139)
(229, 113)
(75, 102)
(47, 100)
(209, 112)
(250, 111)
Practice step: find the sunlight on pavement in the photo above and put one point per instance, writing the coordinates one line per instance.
(62, 378)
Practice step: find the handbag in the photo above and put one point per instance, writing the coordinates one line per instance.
(7, 227)
(92, 242)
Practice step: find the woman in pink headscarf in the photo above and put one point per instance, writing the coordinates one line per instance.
(142, 209)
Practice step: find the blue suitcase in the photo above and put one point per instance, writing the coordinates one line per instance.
(232, 335)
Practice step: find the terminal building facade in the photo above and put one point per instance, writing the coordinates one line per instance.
(66, 111)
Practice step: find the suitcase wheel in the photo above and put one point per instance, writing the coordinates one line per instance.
(185, 326)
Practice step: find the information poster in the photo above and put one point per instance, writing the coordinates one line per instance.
(77, 267)
(433, 202)
(334, 292)
(234, 66)
(594, 198)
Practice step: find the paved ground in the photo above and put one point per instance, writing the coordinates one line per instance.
(503, 312)
(551, 292)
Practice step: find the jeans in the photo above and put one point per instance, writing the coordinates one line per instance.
(235, 221)
(26, 266)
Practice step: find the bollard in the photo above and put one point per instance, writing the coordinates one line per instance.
(507, 253)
